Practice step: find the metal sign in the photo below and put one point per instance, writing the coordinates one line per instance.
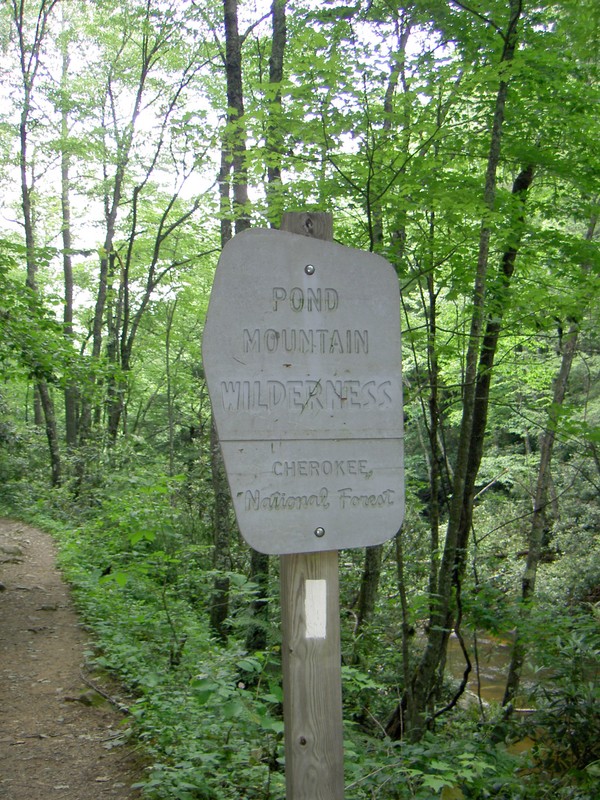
(301, 354)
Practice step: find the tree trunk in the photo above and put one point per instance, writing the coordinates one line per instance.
(219, 604)
(256, 638)
(452, 573)
(87, 411)
(30, 62)
(373, 193)
(115, 380)
(418, 700)
(499, 299)
(371, 574)
(369, 585)
(112, 200)
(435, 465)
(65, 164)
(257, 634)
(274, 136)
(233, 167)
(170, 315)
(235, 134)
(538, 520)
(51, 432)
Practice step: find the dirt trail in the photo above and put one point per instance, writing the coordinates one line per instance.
(59, 740)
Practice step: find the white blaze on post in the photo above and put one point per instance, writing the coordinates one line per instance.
(315, 609)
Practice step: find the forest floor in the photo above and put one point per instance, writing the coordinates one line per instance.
(59, 738)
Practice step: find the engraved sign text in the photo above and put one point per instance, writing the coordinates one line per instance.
(304, 374)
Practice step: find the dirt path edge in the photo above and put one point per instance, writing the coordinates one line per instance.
(59, 740)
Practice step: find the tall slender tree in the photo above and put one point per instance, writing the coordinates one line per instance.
(539, 521)
(421, 692)
(256, 638)
(30, 46)
(71, 393)
(232, 176)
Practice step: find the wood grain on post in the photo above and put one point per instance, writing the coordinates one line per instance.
(318, 224)
(311, 650)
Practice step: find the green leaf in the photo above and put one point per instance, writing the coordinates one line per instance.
(249, 665)
(271, 724)
(203, 689)
(119, 577)
(435, 783)
(233, 709)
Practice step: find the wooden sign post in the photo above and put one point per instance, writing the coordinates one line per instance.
(301, 352)
(311, 648)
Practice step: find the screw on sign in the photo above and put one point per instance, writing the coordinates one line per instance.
(302, 359)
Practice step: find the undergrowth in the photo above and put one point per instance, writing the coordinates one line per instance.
(208, 715)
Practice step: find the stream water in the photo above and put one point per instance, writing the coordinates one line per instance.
(488, 669)
(490, 658)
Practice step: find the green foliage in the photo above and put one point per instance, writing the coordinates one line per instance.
(462, 765)
(209, 717)
(32, 342)
(135, 561)
(385, 120)
(568, 720)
